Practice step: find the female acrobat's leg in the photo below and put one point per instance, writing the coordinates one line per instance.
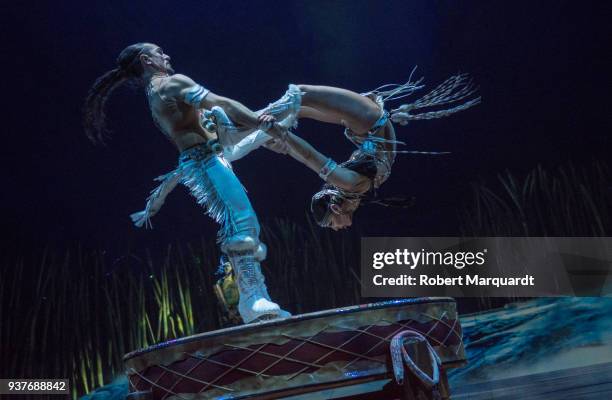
(339, 106)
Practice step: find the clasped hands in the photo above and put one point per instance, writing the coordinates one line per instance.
(279, 134)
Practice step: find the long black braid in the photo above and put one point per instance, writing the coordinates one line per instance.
(129, 69)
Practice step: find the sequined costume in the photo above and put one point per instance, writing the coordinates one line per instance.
(375, 153)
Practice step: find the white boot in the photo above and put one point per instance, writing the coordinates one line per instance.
(255, 303)
(286, 109)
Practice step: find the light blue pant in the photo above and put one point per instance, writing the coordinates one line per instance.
(213, 183)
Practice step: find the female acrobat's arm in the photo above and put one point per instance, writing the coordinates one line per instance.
(305, 153)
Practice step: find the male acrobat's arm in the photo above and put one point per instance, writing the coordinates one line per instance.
(198, 96)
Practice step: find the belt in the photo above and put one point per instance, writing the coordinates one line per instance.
(201, 151)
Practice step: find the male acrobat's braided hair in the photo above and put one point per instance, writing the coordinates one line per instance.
(129, 69)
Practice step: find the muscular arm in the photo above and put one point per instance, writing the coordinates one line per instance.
(341, 177)
(188, 91)
(237, 112)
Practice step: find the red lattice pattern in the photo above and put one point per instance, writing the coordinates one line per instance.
(298, 355)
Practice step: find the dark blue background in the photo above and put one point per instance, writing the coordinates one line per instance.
(540, 67)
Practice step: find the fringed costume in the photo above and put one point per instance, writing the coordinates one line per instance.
(376, 151)
(210, 179)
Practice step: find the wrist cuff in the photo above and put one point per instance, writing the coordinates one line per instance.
(327, 169)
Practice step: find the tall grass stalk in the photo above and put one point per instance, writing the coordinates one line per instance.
(73, 314)
(567, 201)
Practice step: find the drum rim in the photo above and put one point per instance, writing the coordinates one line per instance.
(247, 328)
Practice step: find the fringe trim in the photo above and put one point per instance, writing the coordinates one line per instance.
(457, 88)
(291, 103)
(444, 113)
(156, 199)
(195, 177)
(192, 174)
(395, 91)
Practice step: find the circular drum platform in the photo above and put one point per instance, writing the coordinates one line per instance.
(303, 354)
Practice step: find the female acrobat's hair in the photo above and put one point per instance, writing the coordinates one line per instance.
(321, 202)
(129, 69)
(319, 206)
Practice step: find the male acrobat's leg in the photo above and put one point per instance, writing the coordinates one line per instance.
(217, 188)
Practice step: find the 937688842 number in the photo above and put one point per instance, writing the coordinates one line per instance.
(34, 386)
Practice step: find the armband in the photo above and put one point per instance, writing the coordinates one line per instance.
(327, 169)
(195, 95)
